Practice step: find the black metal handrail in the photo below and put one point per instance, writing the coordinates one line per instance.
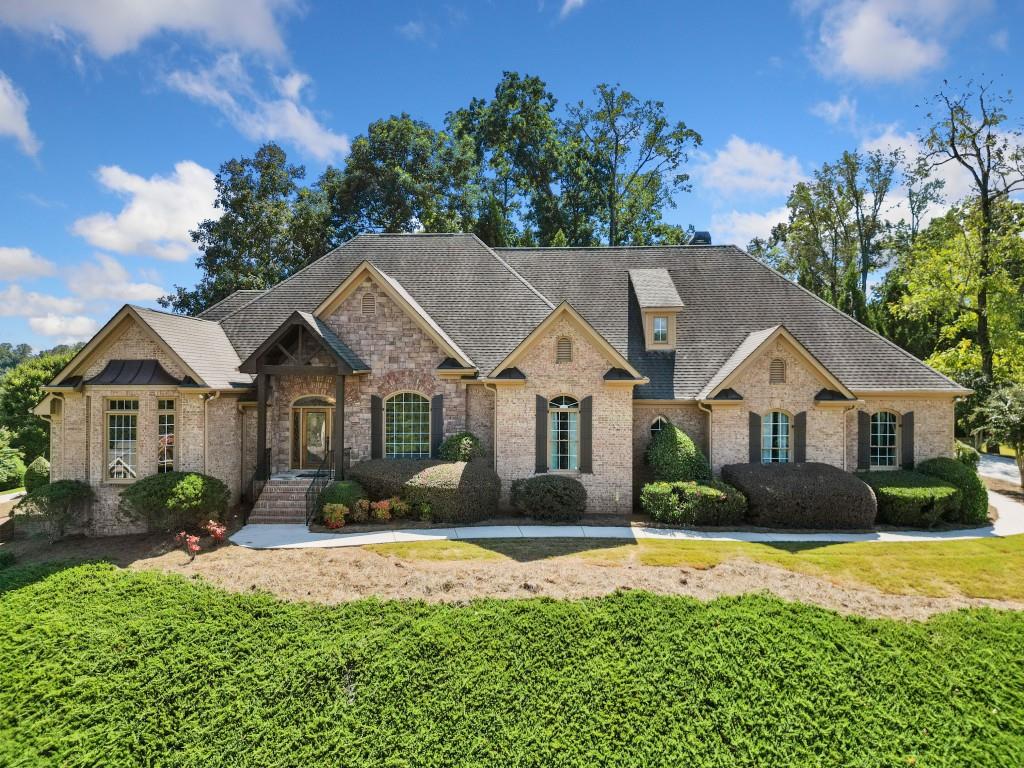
(321, 479)
(258, 479)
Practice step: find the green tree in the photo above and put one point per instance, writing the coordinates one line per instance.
(403, 176)
(967, 129)
(20, 391)
(251, 244)
(866, 180)
(11, 355)
(1001, 418)
(631, 158)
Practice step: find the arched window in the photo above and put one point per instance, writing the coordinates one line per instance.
(369, 304)
(884, 434)
(658, 424)
(775, 438)
(777, 372)
(407, 426)
(563, 352)
(563, 433)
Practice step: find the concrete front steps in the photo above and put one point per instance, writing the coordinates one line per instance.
(282, 500)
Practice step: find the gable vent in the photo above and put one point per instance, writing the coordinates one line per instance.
(777, 372)
(563, 353)
(369, 304)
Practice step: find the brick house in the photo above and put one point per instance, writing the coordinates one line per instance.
(558, 359)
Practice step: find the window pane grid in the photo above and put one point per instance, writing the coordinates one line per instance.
(407, 427)
(883, 439)
(661, 330)
(564, 433)
(165, 443)
(122, 436)
(775, 438)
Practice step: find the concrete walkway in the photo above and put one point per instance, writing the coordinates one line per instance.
(1010, 523)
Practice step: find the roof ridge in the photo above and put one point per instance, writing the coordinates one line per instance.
(842, 314)
(137, 308)
(513, 272)
(602, 247)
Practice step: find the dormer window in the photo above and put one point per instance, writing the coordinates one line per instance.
(660, 329)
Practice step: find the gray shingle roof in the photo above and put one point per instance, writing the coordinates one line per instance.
(229, 304)
(742, 352)
(340, 348)
(202, 344)
(654, 288)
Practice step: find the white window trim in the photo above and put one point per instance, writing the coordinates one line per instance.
(897, 448)
(789, 436)
(107, 413)
(551, 452)
(384, 423)
(174, 446)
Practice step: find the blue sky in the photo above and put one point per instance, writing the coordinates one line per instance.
(115, 114)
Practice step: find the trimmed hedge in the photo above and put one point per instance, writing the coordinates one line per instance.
(806, 495)
(58, 506)
(912, 499)
(966, 454)
(694, 504)
(674, 457)
(384, 478)
(462, 446)
(455, 492)
(973, 494)
(550, 497)
(37, 474)
(12, 469)
(174, 500)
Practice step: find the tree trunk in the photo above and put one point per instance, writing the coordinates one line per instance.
(984, 258)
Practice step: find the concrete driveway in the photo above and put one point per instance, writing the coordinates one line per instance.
(999, 468)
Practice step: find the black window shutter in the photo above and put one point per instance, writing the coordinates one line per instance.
(755, 438)
(863, 440)
(587, 435)
(908, 440)
(436, 425)
(800, 437)
(542, 435)
(376, 427)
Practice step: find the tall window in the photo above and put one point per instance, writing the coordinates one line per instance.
(883, 439)
(660, 330)
(407, 426)
(775, 438)
(564, 438)
(657, 425)
(122, 439)
(165, 436)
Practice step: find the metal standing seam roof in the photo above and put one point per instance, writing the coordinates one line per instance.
(134, 372)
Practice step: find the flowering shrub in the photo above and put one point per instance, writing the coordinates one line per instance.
(189, 543)
(218, 531)
(334, 515)
(400, 508)
(359, 512)
(380, 510)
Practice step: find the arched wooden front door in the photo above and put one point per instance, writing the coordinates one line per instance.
(312, 427)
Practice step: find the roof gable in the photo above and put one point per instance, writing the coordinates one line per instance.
(348, 361)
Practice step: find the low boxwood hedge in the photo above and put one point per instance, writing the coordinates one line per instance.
(806, 495)
(693, 504)
(550, 497)
(674, 457)
(172, 501)
(973, 494)
(56, 506)
(385, 478)
(912, 499)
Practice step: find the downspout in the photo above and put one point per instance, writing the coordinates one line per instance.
(206, 430)
(707, 409)
(494, 426)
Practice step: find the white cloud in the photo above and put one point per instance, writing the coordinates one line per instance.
(108, 279)
(882, 39)
(746, 167)
(1000, 40)
(112, 27)
(568, 6)
(16, 302)
(412, 30)
(14, 116)
(842, 110)
(67, 328)
(740, 227)
(16, 263)
(227, 86)
(158, 214)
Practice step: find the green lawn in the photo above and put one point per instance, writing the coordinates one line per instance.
(991, 568)
(107, 667)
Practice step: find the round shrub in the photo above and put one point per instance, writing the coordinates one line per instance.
(462, 446)
(550, 497)
(810, 495)
(453, 492)
(715, 504)
(966, 454)
(912, 499)
(674, 457)
(973, 494)
(175, 500)
(37, 474)
(57, 506)
(12, 469)
(384, 478)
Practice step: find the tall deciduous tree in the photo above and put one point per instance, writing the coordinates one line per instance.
(967, 129)
(250, 245)
(866, 180)
(1001, 417)
(11, 355)
(633, 157)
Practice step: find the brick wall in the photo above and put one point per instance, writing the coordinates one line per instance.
(687, 416)
(933, 425)
(609, 488)
(480, 416)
